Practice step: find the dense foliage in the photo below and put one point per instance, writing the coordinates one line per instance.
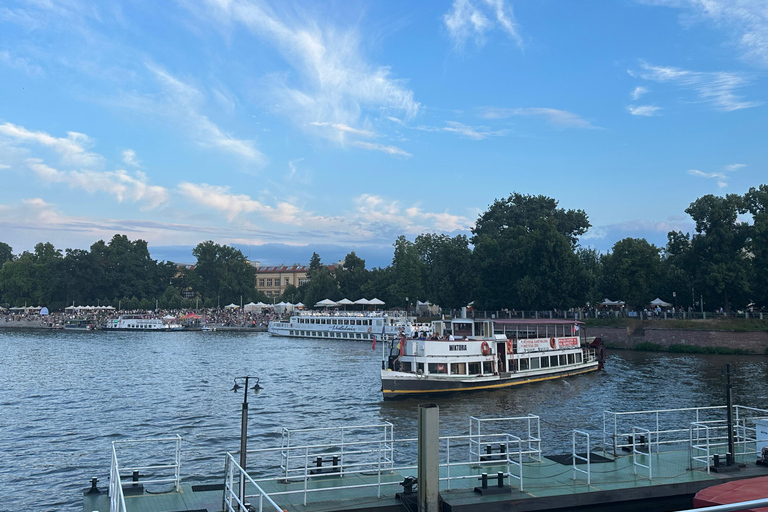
(523, 254)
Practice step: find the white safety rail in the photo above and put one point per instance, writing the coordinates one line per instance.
(168, 470)
(668, 426)
(527, 427)
(359, 447)
(235, 479)
(745, 430)
(576, 457)
(371, 451)
(511, 455)
(707, 439)
(638, 455)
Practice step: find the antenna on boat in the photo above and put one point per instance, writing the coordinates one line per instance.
(244, 426)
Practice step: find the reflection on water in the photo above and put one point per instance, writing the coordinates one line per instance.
(66, 396)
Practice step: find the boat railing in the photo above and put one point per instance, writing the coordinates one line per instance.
(240, 489)
(642, 452)
(167, 471)
(705, 438)
(669, 427)
(576, 457)
(377, 458)
(527, 427)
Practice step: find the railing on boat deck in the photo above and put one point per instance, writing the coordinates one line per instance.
(702, 429)
(532, 440)
(638, 455)
(375, 457)
(116, 493)
(575, 457)
(237, 478)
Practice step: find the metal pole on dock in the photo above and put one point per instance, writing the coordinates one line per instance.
(428, 482)
(729, 407)
(244, 431)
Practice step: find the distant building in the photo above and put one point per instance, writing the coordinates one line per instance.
(272, 280)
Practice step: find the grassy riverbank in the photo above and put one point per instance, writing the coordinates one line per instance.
(715, 324)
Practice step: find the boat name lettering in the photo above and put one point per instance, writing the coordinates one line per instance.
(457, 347)
(341, 328)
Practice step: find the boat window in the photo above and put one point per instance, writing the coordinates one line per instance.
(359, 336)
(474, 368)
(438, 368)
(562, 360)
(462, 328)
(545, 362)
(420, 367)
(458, 368)
(524, 364)
(570, 358)
(488, 367)
(405, 366)
(578, 358)
(534, 363)
(552, 360)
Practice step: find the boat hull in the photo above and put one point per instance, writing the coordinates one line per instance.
(399, 384)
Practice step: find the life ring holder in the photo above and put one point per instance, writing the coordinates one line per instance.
(552, 342)
(486, 348)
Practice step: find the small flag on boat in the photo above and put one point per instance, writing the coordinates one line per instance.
(374, 343)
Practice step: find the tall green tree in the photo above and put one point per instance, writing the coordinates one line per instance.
(757, 204)
(632, 272)
(524, 254)
(351, 276)
(447, 269)
(6, 253)
(719, 250)
(223, 273)
(407, 272)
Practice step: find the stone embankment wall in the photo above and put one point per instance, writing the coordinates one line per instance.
(623, 337)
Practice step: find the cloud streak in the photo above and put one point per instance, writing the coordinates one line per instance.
(717, 89)
(475, 18)
(557, 118)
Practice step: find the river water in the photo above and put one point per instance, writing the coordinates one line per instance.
(66, 396)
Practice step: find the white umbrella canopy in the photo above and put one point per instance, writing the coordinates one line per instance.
(299, 304)
(325, 303)
(345, 302)
(362, 301)
(261, 304)
(376, 302)
(659, 302)
(231, 306)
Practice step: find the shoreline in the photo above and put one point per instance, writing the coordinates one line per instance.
(41, 325)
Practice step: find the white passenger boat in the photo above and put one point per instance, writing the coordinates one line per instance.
(140, 323)
(475, 354)
(343, 325)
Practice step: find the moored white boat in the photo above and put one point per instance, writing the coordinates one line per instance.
(343, 325)
(140, 323)
(476, 354)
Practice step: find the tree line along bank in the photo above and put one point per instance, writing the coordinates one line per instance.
(523, 253)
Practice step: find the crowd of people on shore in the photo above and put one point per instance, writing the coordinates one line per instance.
(211, 317)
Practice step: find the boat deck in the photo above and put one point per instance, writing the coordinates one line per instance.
(547, 485)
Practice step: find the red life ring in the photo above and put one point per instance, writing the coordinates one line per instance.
(486, 348)
(291, 324)
(510, 347)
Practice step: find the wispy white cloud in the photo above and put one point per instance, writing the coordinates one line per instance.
(372, 146)
(474, 133)
(119, 183)
(638, 91)
(332, 84)
(474, 18)
(71, 149)
(558, 118)
(746, 22)
(183, 102)
(383, 214)
(720, 177)
(643, 110)
(20, 63)
(717, 88)
(129, 158)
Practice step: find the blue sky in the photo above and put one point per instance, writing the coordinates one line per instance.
(349, 123)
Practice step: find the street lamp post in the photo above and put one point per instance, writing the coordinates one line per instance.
(244, 430)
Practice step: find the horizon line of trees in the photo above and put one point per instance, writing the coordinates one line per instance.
(523, 254)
